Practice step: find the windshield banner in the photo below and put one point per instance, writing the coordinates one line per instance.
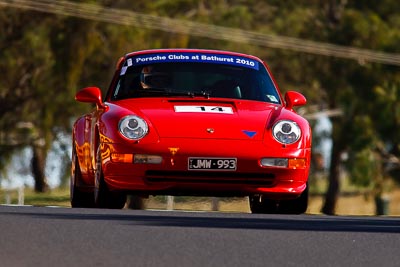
(190, 57)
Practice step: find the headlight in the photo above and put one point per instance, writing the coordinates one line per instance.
(133, 127)
(286, 132)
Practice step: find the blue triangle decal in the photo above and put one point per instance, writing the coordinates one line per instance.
(250, 133)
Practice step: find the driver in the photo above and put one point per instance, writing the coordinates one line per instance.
(154, 77)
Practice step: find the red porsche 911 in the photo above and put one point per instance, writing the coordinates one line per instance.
(192, 122)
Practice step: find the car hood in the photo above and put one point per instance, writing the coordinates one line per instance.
(213, 119)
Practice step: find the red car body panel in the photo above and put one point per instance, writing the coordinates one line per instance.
(244, 133)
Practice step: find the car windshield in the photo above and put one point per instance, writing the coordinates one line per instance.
(246, 79)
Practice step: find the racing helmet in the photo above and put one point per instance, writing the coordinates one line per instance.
(155, 77)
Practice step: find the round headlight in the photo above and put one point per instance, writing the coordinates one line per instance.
(286, 132)
(133, 127)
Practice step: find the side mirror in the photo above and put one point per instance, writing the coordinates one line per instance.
(90, 95)
(293, 98)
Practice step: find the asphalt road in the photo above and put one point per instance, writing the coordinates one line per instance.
(43, 236)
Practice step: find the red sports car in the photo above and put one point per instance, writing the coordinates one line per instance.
(191, 122)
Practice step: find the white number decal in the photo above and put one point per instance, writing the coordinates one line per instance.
(207, 109)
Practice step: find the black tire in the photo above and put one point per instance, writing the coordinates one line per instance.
(295, 206)
(136, 202)
(78, 197)
(103, 197)
(261, 204)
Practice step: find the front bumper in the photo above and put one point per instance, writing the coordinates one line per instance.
(172, 176)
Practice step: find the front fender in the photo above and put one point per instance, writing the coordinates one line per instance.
(81, 138)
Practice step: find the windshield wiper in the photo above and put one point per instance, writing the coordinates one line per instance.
(202, 93)
(153, 91)
(170, 92)
(187, 93)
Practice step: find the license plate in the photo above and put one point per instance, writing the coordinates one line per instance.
(222, 164)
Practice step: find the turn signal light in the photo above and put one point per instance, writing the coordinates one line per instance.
(297, 163)
(123, 158)
(294, 163)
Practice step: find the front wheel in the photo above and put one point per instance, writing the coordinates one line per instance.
(295, 206)
(261, 204)
(103, 197)
(79, 197)
(136, 202)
